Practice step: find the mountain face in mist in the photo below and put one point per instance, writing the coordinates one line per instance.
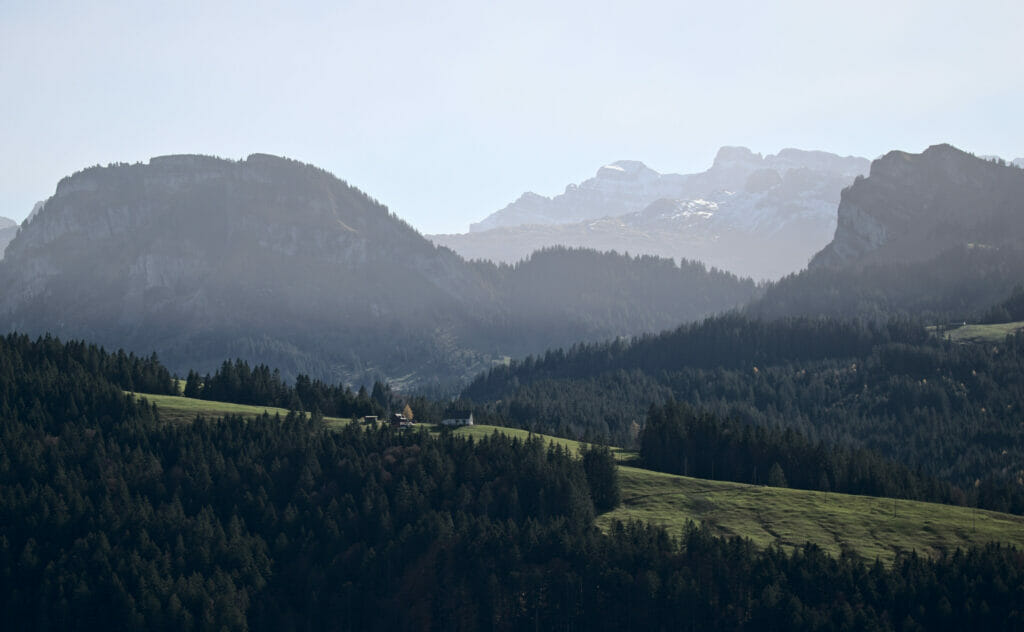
(8, 229)
(759, 216)
(279, 262)
(937, 234)
(915, 206)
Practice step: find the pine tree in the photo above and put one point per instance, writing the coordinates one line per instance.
(603, 478)
(193, 387)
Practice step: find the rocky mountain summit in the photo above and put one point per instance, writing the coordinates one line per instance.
(276, 261)
(936, 235)
(754, 215)
(913, 207)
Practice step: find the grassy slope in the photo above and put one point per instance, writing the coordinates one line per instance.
(867, 526)
(983, 333)
(184, 409)
(767, 515)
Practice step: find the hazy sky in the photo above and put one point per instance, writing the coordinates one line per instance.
(447, 111)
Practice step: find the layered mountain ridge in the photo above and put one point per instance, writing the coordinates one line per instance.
(754, 215)
(276, 261)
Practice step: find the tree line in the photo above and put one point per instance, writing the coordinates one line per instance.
(680, 439)
(111, 519)
(938, 409)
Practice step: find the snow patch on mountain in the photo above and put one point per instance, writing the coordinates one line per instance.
(755, 215)
(628, 186)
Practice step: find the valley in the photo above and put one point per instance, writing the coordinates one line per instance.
(814, 449)
(509, 317)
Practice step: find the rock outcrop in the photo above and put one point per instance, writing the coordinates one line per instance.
(935, 236)
(913, 207)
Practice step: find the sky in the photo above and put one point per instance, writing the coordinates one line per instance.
(448, 111)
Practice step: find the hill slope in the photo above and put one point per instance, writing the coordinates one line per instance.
(944, 410)
(866, 526)
(281, 263)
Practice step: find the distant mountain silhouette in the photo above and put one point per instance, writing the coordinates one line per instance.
(754, 215)
(276, 261)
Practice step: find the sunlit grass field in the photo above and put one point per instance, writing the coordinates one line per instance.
(983, 333)
(867, 526)
(175, 408)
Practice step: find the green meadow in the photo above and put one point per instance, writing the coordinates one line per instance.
(866, 526)
(983, 333)
(175, 408)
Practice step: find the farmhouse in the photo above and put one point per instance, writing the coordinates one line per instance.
(468, 421)
(398, 420)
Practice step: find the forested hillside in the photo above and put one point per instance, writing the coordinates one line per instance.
(281, 263)
(944, 410)
(111, 519)
(959, 284)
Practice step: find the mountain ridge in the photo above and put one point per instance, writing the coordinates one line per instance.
(275, 261)
(721, 215)
(959, 197)
(935, 235)
(578, 201)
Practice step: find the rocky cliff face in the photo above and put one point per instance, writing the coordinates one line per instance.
(621, 187)
(753, 215)
(935, 236)
(913, 207)
(266, 258)
(275, 261)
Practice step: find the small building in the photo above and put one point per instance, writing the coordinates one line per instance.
(370, 419)
(398, 420)
(458, 421)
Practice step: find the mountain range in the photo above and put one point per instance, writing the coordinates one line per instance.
(278, 262)
(275, 261)
(754, 215)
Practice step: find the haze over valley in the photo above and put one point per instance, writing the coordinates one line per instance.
(511, 316)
